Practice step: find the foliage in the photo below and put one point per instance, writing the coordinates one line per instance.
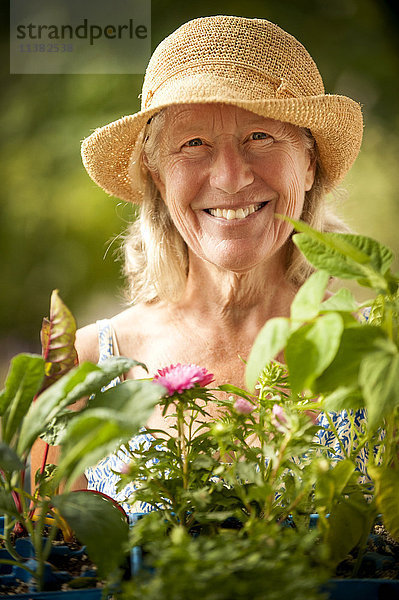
(36, 397)
(270, 564)
(259, 465)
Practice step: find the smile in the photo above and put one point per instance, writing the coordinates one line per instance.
(231, 214)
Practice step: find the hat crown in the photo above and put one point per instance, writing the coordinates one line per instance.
(250, 58)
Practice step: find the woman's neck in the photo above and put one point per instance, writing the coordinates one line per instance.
(232, 300)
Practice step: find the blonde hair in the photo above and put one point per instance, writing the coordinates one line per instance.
(155, 254)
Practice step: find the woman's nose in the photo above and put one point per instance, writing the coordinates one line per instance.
(230, 171)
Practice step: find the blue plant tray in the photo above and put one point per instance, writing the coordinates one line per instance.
(92, 594)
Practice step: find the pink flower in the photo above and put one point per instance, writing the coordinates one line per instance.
(278, 417)
(243, 407)
(178, 378)
(125, 469)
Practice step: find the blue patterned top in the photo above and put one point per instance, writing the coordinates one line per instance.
(103, 477)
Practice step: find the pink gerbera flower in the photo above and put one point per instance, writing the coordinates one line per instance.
(178, 378)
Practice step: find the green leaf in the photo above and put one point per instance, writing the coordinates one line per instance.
(82, 381)
(306, 304)
(347, 256)
(22, 384)
(345, 527)
(9, 459)
(58, 340)
(343, 398)
(356, 343)
(233, 389)
(99, 525)
(311, 349)
(343, 301)
(269, 342)
(113, 418)
(7, 505)
(387, 493)
(379, 379)
(50, 403)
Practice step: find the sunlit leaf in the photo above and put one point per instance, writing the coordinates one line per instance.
(311, 349)
(379, 378)
(343, 300)
(269, 342)
(58, 340)
(306, 303)
(113, 419)
(23, 381)
(355, 344)
(343, 398)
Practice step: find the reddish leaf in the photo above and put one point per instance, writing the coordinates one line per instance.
(58, 341)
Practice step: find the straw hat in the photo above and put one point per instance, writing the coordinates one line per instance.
(249, 63)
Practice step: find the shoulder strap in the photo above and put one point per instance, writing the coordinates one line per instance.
(107, 344)
(105, 340)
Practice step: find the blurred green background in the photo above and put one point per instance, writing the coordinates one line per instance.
(57, 227)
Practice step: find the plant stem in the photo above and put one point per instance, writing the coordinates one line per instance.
(182, 443)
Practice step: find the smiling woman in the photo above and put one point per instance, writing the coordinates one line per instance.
(235, 130)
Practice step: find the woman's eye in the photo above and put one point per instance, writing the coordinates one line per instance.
(194, 142)
(260, 135)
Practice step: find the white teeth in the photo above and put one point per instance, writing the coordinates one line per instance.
(230, 214)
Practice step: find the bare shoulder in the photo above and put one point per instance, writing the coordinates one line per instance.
(136, 327)
(87, 343)
(132, 327)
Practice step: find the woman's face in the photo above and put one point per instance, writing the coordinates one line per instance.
(224, 174)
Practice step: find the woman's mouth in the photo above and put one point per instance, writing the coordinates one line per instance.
(230, 214)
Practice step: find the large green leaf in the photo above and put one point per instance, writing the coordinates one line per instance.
(343, 300)
(99, 525)
(311, 349)
(22, 384)
(58, 340)
(387, 494)
(379, 379)
(82, 381)
(345, 255)
(306, 304)
(51, 402)
(345, 528)
(114, 418)
(9, 459)
(343, 398)
(356, 343)
(269, 342)
(331, 483)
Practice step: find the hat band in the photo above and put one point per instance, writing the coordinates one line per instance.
(249, 83)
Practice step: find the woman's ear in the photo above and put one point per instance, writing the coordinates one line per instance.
(155, 176)
(310, 174)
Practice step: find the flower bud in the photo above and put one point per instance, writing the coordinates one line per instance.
(243, 406)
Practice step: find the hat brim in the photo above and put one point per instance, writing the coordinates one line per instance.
(335, 122)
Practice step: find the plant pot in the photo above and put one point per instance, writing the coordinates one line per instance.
(12, 575)
(362, 589)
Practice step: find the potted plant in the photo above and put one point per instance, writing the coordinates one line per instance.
(223, 488)
(35, 402)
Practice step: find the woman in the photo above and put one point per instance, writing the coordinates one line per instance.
(235, 128)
